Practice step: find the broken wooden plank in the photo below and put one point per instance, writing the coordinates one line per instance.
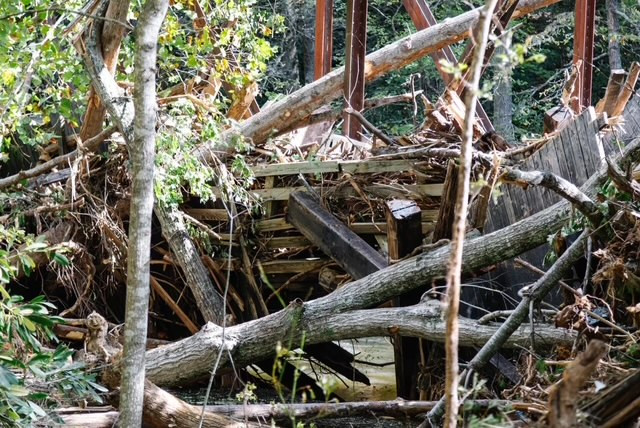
(368, 166)
(361, 228)
(413, 191)
(614, 88)
(293, 266)
(297, 241)
(208, 214)
(627, 90)
(334, 238)
(444, 223)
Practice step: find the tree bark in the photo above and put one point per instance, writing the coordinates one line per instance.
(111, 38)
(306, 100)
(142, 154)
(481, 37)
(192, 358)
(503, 94)
(613, 24)
(209, 301)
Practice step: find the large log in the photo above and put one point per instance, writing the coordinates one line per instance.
(306, 100)
(192, 358)
(328, 318)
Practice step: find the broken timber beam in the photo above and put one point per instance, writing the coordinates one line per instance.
(446, 213)
(404, 234)
(614, 88)
(335, 239)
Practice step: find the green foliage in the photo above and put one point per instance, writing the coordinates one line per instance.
(41, 76)
(233, 45)
(23, 325)
(179, 170)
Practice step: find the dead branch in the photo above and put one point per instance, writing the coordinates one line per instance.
(562, 187)
(308, 411)
(454, 269)
(436, 152)
(371, 127)
(88, 146)
(563, 398)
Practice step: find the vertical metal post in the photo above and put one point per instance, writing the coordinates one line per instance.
(583, 53)
(354, 77)
(324, 38)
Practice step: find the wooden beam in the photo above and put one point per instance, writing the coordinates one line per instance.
(444, 223)
(614, 88)
(324, 38)
(404, 234)
(367, 166)
(412, 191)
(583, 38)
(369, 228)
(354, 76)
(422, 18)
(335, 239)
(628, 90)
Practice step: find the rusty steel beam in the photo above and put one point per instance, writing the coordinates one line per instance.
(324, 38)
(356, 45)
(422, 18)
(583, 53)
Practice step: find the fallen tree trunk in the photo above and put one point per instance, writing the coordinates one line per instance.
(162, 409)
(308, 411)
(193, 357)
(303, 102)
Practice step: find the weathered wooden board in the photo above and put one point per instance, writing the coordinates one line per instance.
(335, 239)
(324, 167)
(412, 191)
(574, 153)
(372, 228)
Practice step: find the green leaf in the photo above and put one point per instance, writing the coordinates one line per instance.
(29, 324)
(98, 387)
(61, 259)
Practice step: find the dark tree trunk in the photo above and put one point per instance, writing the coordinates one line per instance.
(613, 23)
(502, 96)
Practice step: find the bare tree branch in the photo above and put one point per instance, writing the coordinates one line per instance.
(481, 35)
(562, 187)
